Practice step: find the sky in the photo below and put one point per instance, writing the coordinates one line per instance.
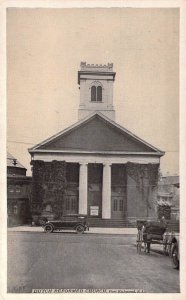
(44, 51)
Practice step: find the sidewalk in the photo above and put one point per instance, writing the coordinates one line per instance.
(130, 231)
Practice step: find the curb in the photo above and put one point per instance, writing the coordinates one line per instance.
(93, 230)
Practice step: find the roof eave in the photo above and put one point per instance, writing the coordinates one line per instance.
(96, 152)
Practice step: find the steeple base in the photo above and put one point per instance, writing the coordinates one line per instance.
(83, 113)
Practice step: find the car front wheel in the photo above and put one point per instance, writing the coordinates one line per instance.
(175, 260)
(80, 229)
(48, 228)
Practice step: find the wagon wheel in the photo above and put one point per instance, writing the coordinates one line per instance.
(80, 229)
(49, 228)
(175, 259)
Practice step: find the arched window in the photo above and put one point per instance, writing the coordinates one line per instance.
(93, 93)
(99, 93)
(96, 93)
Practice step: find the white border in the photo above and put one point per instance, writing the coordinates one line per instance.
(77, 4)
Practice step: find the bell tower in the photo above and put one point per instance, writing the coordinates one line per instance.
(96, 90)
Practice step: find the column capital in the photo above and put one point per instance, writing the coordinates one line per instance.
(109, 164)
(82, 163)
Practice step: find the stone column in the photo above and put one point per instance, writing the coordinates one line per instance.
(106, 192)
(83, 184)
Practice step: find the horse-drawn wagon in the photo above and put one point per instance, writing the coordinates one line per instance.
(154, 232)
(149, 232)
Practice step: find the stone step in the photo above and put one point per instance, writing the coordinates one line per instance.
(115, 223)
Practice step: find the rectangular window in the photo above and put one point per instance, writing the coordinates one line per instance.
(10, 188)
(15, 210)
(121, 205)
(17, 189)
(115, 205)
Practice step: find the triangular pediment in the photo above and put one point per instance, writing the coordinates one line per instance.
(96, 133)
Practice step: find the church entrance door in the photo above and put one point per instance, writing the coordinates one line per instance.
(118, 191)
(117, 206)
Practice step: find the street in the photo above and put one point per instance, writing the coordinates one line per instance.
(89, 261)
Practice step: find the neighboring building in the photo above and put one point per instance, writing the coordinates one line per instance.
(96, 166)
(18, 192)
(168, 197)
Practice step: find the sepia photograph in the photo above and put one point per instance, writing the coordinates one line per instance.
(92, 150)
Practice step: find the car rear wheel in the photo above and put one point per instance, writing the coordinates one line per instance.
(175, 260)
(48, 228)
(80, 229)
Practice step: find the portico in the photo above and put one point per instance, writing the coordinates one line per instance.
(100, 188)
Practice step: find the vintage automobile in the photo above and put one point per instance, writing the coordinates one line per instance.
(76, 222)
(171, 247)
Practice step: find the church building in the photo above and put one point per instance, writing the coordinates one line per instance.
(96, 166)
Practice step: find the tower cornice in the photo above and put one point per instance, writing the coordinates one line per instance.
(96, 67)
(99, 73)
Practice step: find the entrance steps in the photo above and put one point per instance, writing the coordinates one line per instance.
(172, 225)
